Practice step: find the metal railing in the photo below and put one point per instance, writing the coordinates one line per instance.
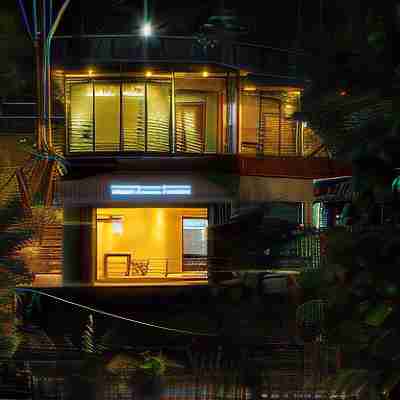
(94, 49)
(126, 268)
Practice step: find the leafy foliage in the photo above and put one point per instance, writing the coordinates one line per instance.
(13, 271)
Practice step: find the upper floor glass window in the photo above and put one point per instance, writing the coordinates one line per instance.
(266, 124)
(116, 116)
(187, 115)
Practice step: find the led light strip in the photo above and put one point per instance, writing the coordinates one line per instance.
(150, 190)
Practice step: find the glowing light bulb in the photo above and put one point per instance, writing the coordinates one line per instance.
(147, 30)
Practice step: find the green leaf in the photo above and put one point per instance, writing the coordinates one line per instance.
(377, 315)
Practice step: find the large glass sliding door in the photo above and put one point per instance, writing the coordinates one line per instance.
(80, 117)
(120, 116)
(133, 116)
(107, 116)
(158, 96)
(187, 114)
(266, 127)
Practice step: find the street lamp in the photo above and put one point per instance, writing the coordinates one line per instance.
(147, 29)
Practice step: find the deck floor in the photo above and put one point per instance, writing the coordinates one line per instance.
(178, 279)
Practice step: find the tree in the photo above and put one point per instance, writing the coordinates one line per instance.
(360, 285)
(350, 102)
(14, 233)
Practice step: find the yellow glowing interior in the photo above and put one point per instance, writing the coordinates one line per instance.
(153, 234)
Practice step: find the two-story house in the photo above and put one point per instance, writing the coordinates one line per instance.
(164, 136)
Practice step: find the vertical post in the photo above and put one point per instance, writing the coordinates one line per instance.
(280, 129)
(173, 116)
(47, 36)
(238, 108)
(260, 140)
(121, 130)
(145, 117)
(93, 116)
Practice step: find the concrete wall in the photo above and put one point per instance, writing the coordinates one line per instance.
(265, 189)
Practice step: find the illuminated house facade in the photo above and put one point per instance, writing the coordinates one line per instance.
(164, 137)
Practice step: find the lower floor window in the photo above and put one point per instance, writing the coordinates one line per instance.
(150, 242)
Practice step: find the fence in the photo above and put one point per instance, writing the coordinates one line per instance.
(123, 267)
(95, 49)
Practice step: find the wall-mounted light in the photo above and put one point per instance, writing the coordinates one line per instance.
(147, 29)
(205, 74)
(250, 88)
(148, 74)
(90, 72)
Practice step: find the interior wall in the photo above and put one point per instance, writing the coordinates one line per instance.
(249, 115)
(148, 233)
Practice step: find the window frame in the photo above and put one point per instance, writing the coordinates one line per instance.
(182, 230)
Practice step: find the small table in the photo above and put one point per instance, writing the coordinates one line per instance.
(128, 261)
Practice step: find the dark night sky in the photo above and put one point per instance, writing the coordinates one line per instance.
(182, 17)
(269, 22)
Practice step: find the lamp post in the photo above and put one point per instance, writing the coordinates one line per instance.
(41, 35)
(46, 70)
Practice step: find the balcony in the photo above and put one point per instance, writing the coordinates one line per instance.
(89, 50)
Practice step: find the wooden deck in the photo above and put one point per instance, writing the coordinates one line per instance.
(179, 279)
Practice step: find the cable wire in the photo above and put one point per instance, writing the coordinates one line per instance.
(25, 18)
(95, 310)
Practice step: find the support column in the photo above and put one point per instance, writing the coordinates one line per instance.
(79, 246)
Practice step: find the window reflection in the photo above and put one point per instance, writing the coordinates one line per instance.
(158, 116)
(81, 118)
(133, 116)
(137, 115)
(107, 116)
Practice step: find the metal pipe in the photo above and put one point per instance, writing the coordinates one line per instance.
(25, 18)
(47, 73)
(35, 22)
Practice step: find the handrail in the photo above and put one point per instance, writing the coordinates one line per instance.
(175, 37)
(259, 58)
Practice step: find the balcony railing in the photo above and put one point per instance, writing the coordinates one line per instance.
(129, 48)
(127, 268)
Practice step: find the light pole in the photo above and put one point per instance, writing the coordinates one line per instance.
(41, 35)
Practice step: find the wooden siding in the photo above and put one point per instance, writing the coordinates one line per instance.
(292, 167)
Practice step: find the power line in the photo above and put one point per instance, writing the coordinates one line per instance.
(95, 310)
